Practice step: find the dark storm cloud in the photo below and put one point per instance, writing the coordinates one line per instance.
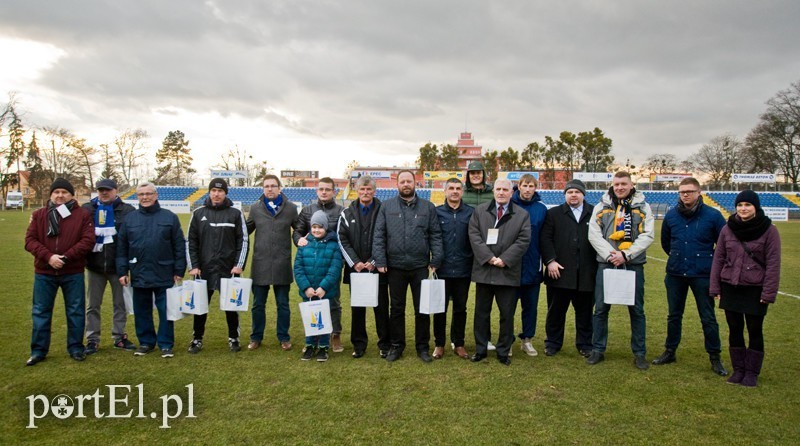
(652, 75)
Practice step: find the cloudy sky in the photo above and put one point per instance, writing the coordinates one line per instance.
(313, 85)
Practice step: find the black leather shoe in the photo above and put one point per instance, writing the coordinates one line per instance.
(478, 357)
(505, 360)
(641, 363)
(550, 351)
(78, 356)
(393, 355)
(716, 365)
(425, 356)
(384, 353)
(358, 353)
(585, 353)
(666, 358)
(595, 357)
(33, 360)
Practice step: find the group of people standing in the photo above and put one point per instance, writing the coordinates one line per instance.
(499, 236)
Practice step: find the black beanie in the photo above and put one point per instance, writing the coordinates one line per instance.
(61, 183)
(219, 183)
(576, 184)
(748, 196)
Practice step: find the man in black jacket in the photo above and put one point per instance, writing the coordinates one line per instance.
(108, 212)
(454, 216)
(407, 242)
(571, 267)
(326, 202)
(356, 230)
(216, 248)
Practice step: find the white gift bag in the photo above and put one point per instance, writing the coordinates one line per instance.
(175, 303)
(316, 316)
(234, 294)
(363, 290)
(431, 298)
(195, 297)
(127, 297)
(619, 286)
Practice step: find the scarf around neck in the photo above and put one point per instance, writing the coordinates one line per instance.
(273, 206)
(751, 229)
(54, 218)
(104, 227)
(623, 224)
(689, 212)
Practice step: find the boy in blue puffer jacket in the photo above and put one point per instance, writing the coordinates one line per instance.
(317, 271)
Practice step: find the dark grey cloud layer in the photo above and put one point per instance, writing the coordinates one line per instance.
(656, 76)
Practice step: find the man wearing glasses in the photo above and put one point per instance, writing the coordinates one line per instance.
(326, 202)
(688, 236)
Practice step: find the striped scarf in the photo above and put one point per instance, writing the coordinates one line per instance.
(104, 228)
(623, 224)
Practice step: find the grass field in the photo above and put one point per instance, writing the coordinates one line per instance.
(270, 397)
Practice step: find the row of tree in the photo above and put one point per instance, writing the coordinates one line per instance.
(50, 152)
(772, 146)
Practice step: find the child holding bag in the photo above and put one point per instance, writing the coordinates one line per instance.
(317, 271)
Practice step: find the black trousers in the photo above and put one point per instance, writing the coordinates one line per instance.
(558, 300)
(231, 317)
(506, 297)
(358, 323)
(457, 291)
(399, 282)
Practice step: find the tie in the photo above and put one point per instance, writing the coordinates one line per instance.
(499, 212)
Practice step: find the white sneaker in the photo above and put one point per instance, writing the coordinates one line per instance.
(490, 346)
(527, 347)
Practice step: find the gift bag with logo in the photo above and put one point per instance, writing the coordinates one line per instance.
(127, 297)
(195, 297)
(175, 303)
(316, 316)
(431, 299)
(363, 290)
(234, 294)
(619, 286)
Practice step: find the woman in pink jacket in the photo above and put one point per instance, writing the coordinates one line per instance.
(744, 277)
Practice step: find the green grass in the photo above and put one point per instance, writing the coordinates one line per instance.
(270, 397)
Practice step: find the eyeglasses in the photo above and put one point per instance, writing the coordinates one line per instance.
(688, 192)
(145, 194)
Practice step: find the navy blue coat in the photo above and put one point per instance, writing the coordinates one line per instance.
(532, 262)
(455, 241)
(689, 242)
(152, 247)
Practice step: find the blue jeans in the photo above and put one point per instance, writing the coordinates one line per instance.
(143, 318)
(260, 316)
(636, 312)
(45, 288)
(677, 290)
(529, 300)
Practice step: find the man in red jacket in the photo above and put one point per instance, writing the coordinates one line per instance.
(59, 237)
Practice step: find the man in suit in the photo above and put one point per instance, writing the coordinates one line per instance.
(570, 265)
(499, 233)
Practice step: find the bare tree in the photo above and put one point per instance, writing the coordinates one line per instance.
(719, 158)
(661, 163)
(85, 157)
(238, 159)
(129, 149)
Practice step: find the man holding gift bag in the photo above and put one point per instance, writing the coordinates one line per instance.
(499, 233)
(356, 229)
(407, 243)
(620, 230)
(152, 249)
(216, 248)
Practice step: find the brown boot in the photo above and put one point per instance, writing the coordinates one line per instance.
(336, 343)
